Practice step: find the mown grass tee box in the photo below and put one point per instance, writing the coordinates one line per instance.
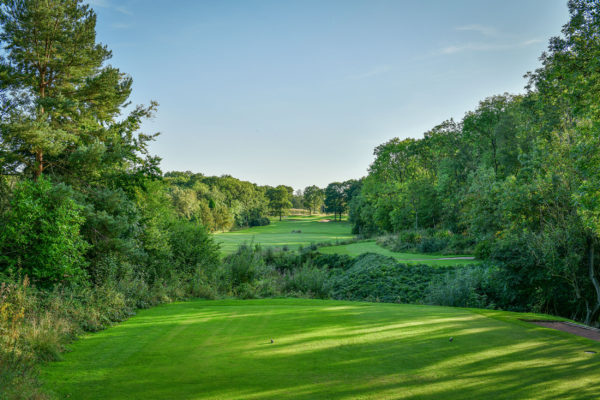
(325, 350)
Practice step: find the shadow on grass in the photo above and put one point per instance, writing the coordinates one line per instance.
(204, 350)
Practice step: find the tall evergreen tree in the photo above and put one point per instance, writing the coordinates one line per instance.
(61, 102)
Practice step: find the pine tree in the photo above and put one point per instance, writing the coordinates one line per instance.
(62, 102)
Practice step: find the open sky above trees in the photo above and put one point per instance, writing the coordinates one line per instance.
(309, 89)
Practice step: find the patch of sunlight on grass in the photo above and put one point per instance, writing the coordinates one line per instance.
(324, 350)
(370, 246)
(279, 233)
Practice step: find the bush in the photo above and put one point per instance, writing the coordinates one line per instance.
(39, 233)
(374, 277)
(432, 245)
(470, 286)
(245, 274)
(483, 249)
(282, 261)
(259, 221)
(332, 261)
(428, 241)
(193, 248)
(308, 280)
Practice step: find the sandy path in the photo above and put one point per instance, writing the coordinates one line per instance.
(440, 259)
(575, 329)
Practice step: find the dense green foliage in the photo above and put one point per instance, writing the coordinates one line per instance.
(40, 233)
(313, 198)
(218, 203)
(518, 176)
(373, 277)
(326, 350)
(338, 195)
(429, 241)
(279, 200)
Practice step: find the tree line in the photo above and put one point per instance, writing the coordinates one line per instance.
(519, 175)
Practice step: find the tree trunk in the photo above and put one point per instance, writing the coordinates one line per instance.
(494, 155)
(592, 315)
(39, 164)
(39, 154)
(416, 220)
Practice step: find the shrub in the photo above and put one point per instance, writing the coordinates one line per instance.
(432, 244)
(259, 221)
(245, 274)
(308, 280)
(332, 261)
(282, 261)
(39, 233)
(374, 277)
(193, 248)
(483, 249)
(428, 241)
(470, 286)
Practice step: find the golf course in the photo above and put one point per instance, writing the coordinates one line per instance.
(273, 200)
(325, 350)
(293, 231)
(369, 246)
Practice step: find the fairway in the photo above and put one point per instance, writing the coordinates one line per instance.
(325, 350)
(279, 233)
(369, 246)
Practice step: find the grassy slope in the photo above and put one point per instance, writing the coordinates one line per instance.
(280, 234)
(356, 249)
(325, 350)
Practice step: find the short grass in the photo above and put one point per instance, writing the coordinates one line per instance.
(279, 233)
(370, 246)
(325, 350)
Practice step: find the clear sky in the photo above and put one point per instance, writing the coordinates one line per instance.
(299, 92)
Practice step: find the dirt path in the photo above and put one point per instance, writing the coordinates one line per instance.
(440, 259)
(575, 329)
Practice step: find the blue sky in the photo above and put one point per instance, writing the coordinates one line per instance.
(300, 92)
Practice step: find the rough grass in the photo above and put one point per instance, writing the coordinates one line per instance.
(279, 233)
(325, 350)
(356, 249)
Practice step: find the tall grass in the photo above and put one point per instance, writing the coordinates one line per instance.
(37, 325)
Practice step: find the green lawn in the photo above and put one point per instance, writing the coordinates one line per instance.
(356, 249)
(325, 350)
(279, 234)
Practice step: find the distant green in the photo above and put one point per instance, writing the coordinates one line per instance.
(370, 246)
(325, 350)
(279, 233)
